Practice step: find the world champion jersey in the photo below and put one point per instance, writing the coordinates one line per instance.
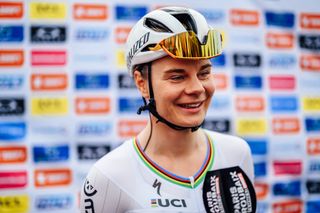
(126, 180)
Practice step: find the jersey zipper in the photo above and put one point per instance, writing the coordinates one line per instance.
(194, 194)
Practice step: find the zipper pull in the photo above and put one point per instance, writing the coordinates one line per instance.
(191, 178)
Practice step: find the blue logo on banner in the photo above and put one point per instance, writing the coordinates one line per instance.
(11, 33)
(312, 206)
(50, 153)
(219, 61)
(53, 202)
(287, 189)
(213, 15)
(13, 131)
(280, 19)
(94, 129)
(248, 82)
(282, 61)
(129, 104)
(262, 207)
(220, 103)
(130, 13)
(312, 124)
(92, 81)
(92, 34)
(11, 82)
(258, 147)
(280, 104)
(260, 169)
(314, 166)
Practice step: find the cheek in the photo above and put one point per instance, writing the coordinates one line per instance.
(210, 87)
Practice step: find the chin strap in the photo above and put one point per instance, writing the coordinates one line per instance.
(151, 107)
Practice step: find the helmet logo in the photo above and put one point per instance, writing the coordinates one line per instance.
(134, 49)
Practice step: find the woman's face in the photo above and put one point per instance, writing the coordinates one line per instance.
(182, 89)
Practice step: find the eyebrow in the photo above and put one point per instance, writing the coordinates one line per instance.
(183, 70)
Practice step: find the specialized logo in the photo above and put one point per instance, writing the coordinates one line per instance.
(260, 169)
(313, 146)
(13, 154)
(129, 104)
(130, 13)
(52, 177)
(90, 12)
(49, 106)
(251, 126)
(310, 21)
(283, 103)
(92, 152)
(125, 81)
(311, 104)
(11, 58)
(284, 19)
(136, 46)
(12, 180)
(54, 153)
(221, 125)
(12, 106)
(99, 105)
(282, 61)
(262, 190)
(121, 34)
(12, 131)
(14, 203)
(279, 40)
(53, 202)
(250, 104)
(157, 185)
(91, 34)
(48, 34)
(287, 167)
(288, 206)
(178, 203)
(92, 129)
(49, 82)
(292, 188)
(313, 186)
(287, 125)
(48, 58)
(91, 81)
(310, 62)
(258, 147)
(10, 33)
(220, 81)
(312, 124)
(11, 82)
(286, 82)
(247, 60)
(248, 82)
(244, 17)
(309, 42)
(11, 10)
(89, 191)
(46, 10)
(130, 128)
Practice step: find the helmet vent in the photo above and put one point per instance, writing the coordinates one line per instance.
(187, 21)
(156, 25)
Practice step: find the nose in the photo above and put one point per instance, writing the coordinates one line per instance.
(194, 86)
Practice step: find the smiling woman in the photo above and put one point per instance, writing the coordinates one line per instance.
(173, 165)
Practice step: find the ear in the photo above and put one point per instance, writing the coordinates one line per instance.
(141, 84)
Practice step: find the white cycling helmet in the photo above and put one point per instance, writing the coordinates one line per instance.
(158, 25)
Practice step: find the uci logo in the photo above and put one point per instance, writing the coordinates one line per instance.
(179, 203)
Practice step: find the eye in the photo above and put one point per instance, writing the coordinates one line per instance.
(177, 77)
(204, 74)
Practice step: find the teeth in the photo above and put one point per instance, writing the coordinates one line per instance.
(191, 105)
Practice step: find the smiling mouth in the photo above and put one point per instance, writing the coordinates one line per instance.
(191, 106)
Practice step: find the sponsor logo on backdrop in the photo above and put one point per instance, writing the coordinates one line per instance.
(120, 58)
(50, 153)
(13, 180)
(311, 82)
(283, 103)
(12, 106)
(313, 146)
(312, 124)
(285, 125)
(125, 81)
(49, 82)
(311, 104)
(310, 42)
(282, 61)
(129, 104)
(130, 128)
(11, 58)
(262, 207)
(258, 146)
(11, 131)
(240, 17)
(292, 188)
(96, 12)
(14, 203)
(282, 82)
(287, 167)
(310, 21)
(292, 147)
(246, 60)
(96, 105)
(49, 129)
(220, 81)
(11, 33)
(46, 10)
(248, 82)
(284, 19)
(92, 152)
(11, 10)
(314, 166)
(92, 34)
(49, 106)
(219, 61)
(220, 103)
(213, 16)
(279, 40)
(121, 34)
(11, 82)
(91, 58)
(251, 126)
(13, 154)
(130, 13)
(260, 169)
(262, 190)
(250, 104)
(48, 58)
(219, 125)
(92, 81)
(310, 62)
(53, 202)
(312, 206)
(97, 128)
(52, 177)
(48, 34)
(245, 39)
(313, 186)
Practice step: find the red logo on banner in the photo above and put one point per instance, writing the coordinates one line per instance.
(310, 62)
(250, 104)
(313, 146)
(13, 154)
(13, 179)
(52, 177)
(121, 34)
(92, 105)
(48, 58)
(287, 168)
(220, 81)
(11, 58)
(262, 190)
(245, 17)
(290, 206)
(11, 10)
(279, 40)
(310, 21)
(130, 128)
(48, 82)
(90, 12)
(282, 82)
(285, 125)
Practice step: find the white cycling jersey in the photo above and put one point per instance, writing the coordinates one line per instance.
(126, 180)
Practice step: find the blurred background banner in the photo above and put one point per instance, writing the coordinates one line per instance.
(66, 99)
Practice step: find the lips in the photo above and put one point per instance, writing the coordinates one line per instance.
(191, 105)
